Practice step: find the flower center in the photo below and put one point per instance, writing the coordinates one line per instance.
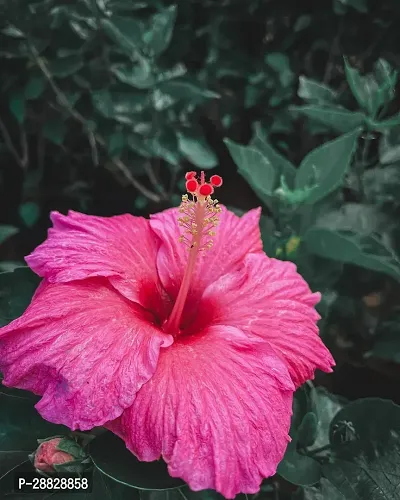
(200, 215)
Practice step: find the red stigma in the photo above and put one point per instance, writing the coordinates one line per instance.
(216, 180)
(191, 185)
(190, 175)
(206, 190)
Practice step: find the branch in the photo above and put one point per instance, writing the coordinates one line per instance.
(63, 101)
(24, 148)
(8, 141)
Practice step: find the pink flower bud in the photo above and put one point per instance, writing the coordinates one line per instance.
(48, 455)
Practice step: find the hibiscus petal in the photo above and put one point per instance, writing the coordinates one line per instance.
(269, 299)
(84, 348)
(217, 409)
(235, 238)
(121, 248)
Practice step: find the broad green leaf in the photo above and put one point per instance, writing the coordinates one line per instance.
(35, 87)
(126, 32)
(325, 167)
(195, 148)
(296, 467)
(185, 89)
(17, 106)
(334, 117)
(387, 79)
(139, 145)
(326, 406)
(55, 129)
(165, 145)
(29, 213)
(111, 456)
(6, 232)
(281, 165)
(367, 251)
(365, 89)
(158, 35)
(281, 64)
(365, 440)
(254, 167)
(16, 291)
(388, 123)
(311, 90)
(139, 75)
(66, 66)
(325, 490)
(307, 431)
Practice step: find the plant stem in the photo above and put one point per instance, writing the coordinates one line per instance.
(22, 162)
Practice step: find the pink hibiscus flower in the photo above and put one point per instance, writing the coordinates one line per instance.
(188, 346)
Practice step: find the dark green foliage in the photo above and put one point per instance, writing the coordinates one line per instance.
(105, 103)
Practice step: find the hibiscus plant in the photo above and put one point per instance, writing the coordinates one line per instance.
(157, 342)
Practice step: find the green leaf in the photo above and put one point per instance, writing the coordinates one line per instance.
(256, 169)
(311, 90)
(325, 167)
(394, 121)
(165, 145)
(184, 89)
(35, 87)
(55, 129)
(323, 491)
(365, 463)
(195, 148)
(336, 118)
(365, 89)
(387, 79)
(124, 31)
(66, 66)
(29, 213)
(17, 106)
(281, 64)
(281, 165)
(139, 75)
(6, 232)
(13, 31)
(16, 291)
(159, 33)
(111, 456)
(307, 431)
(326, 406)
(116, 143)
(361, 246)
(120, 106)
(296, 467)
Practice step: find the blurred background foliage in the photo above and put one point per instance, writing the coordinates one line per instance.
(106, 103)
